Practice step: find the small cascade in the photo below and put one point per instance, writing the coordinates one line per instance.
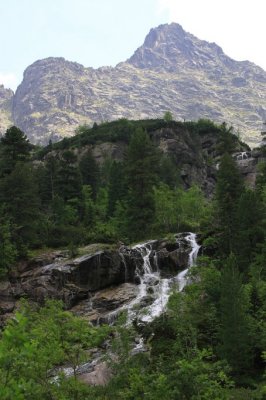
(147, 279)
(154, 291)
(244, 155)
(182, 276)
(151, 299)
(124, 263)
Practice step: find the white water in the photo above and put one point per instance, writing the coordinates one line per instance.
(154, 289)
(243, 156)
(182, 276)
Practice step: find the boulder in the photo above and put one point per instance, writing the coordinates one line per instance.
(95, 284)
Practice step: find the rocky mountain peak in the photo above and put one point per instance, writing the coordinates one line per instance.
(173, 70)
(57, 64)
(168, 47)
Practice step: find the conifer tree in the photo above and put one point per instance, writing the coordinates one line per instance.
(14, 147)
(68, 178)
(141, 169)
(117, 187)
(89, 172)
(8, 252)
(19, 194)
(228, 191)
(235, 328)
(250, 229)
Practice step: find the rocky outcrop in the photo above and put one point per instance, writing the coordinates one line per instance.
(248, 162)
(93, 284)
(6, 97)
(173, 70)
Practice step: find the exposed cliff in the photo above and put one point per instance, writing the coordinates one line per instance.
(96, 283)
(194, 148)
(173, 70)
(6, 97)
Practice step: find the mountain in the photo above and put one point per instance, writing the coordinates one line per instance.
(173, 70)
(6, 96)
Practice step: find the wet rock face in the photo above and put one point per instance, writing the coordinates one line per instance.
(98, 306)
(105, 278)
(247, 162)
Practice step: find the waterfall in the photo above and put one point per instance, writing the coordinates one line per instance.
(154, 291)
(244, 155)
(153, 288)
(151, 300)
(182, 276)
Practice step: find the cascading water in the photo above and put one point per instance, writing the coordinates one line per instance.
(182, 276)
(244, 155)
(152, 297)
(154, 289)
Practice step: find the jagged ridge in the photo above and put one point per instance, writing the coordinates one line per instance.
(173, 70)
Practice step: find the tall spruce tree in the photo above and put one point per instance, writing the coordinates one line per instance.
(19, 194)
(235, 327)
(229, 188)
(68, 177)
(116, 187)
(250, 230)
(8, 251)
(89, 172)
(141, 169)
(14, 147)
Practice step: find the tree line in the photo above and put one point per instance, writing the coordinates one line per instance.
(211, 341)
(65, 200)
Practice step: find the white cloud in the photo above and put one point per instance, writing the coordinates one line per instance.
(9, 80)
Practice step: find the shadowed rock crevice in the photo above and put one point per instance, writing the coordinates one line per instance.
(104, 279)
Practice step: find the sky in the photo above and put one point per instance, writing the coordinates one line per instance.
(95, 33)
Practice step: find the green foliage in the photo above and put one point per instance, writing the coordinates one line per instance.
(19, 194)
(14, 147)
(89, 171)
(68, 178)
(141, 169)
(214, 330)
(37, 341)
(236, 328)
(168, 172)
(177, 210)
(229, 188)
(228, 140)
(8, 251)
(168, 116)
(117, 186)
(250, 228)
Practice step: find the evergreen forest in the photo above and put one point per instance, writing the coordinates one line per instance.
(210, 343)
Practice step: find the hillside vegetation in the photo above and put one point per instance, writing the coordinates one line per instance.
(211, 341)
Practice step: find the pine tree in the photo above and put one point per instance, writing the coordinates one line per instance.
(141, 169)
(14, 147)
(19, 194)
(227, 140)
(235, 328)
(250, 229)
(8, 252)
(228, 191)
(47, 179)
(68, 177)
(116, 187)
(89, 172)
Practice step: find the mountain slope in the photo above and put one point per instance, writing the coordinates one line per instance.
(6, 96)
(172, 70)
